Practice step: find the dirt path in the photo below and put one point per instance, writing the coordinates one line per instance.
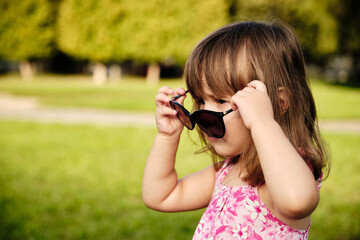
(79, 116)
(28, 109)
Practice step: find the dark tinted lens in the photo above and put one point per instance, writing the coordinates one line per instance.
(211, 124)
(182, 115)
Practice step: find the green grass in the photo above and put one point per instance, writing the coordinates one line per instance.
(132, 94)
(334, 101)
(84, 182)
(338, 214)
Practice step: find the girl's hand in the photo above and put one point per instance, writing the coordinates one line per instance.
(167, 122)
(253, 103)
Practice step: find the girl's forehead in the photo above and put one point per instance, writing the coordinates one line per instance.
(205, 88)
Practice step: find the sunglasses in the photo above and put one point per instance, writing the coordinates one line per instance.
(210, 122)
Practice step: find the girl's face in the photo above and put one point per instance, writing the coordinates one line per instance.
(236, 135)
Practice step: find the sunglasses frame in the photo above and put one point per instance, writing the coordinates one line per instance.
(193, 117)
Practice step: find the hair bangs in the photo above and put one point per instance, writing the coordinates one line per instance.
(213, 62)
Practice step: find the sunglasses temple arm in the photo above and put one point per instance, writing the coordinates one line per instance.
(228, 111)
(179, 96)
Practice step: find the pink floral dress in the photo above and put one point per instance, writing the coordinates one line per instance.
(238, 213)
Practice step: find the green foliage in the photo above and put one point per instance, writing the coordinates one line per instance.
(26, 29)
(166, 30)
(347, 14)
(312, 20)
(154, 31)
(163, 30)
(315, 24)
(92, 29)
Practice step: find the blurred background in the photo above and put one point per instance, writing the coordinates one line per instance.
(77, 85)
(110, 38)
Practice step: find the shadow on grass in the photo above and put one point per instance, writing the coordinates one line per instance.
(12, 221)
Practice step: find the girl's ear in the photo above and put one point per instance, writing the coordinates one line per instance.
(283, 94)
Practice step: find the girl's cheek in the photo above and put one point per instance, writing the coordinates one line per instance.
(233, 118)
(236, 127)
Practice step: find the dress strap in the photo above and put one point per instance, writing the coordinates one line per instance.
(221, 174)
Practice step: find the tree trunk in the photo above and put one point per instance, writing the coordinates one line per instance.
(153, 73)
(115, 73)
(99, 73)
(27, 70)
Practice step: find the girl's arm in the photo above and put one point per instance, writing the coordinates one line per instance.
(161, 189)
(290, 182)
(288, 178)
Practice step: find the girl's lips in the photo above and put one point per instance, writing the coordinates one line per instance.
(212, 139)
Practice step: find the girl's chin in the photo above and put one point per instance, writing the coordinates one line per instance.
(222, 149)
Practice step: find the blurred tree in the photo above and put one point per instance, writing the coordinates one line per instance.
(93, 30)
(312, 20)
(153, 32)
(165, 31)
(347, 14)
(26, 32)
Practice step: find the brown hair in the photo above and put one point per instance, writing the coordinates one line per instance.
(238, 53)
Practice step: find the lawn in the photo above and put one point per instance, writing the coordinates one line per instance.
(79, 91)
(334, 101)
(338, 214)
(84, 182)
(132, 94)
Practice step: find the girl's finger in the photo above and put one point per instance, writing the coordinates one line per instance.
(258, 85)
(233, 101)
(180, 92)
(161, 99)
(166, 90)
(167, 111)
(249, 89)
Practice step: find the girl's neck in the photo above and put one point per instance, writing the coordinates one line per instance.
(235, 176)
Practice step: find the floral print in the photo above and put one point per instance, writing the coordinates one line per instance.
(238, 213)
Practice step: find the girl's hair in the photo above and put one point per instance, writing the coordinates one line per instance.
(238, 53)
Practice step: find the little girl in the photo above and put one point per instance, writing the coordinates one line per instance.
(256, 116)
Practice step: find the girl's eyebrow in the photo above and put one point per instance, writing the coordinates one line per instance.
(207, 96)
(213, 96)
